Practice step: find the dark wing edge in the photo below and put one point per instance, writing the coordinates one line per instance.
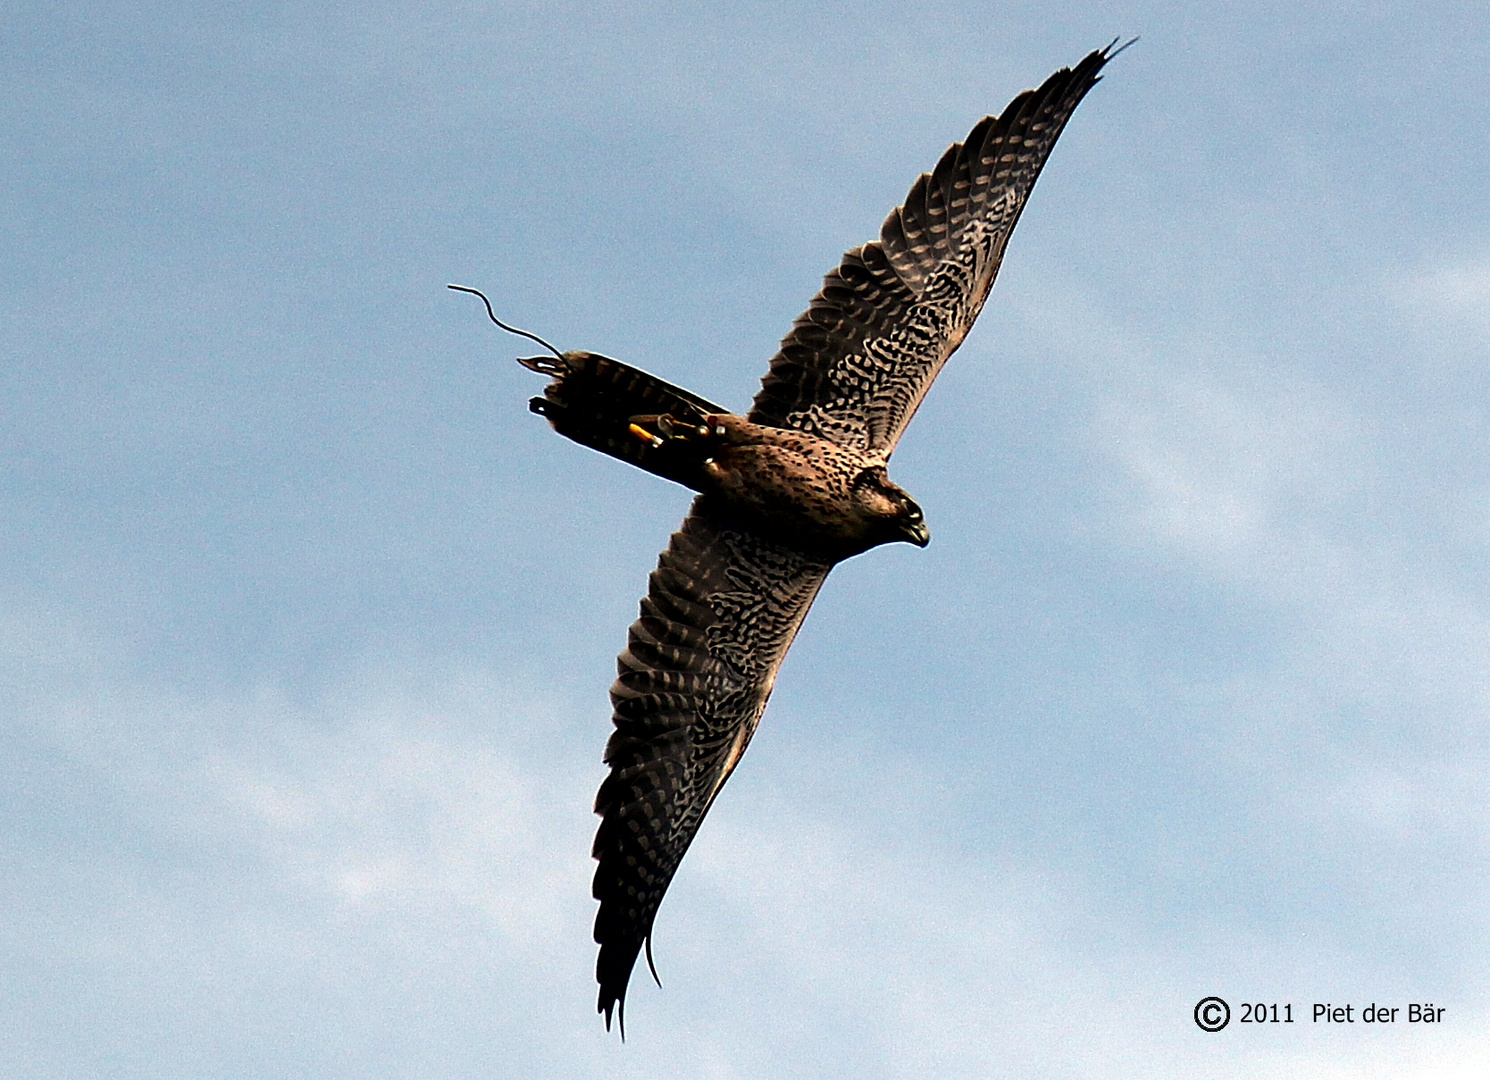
(721, 610)
(859, 360)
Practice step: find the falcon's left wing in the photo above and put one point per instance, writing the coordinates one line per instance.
(860, 359)
(720, 613)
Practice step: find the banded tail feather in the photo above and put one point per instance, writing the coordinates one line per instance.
(626, 413)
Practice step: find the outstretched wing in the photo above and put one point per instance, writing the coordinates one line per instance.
(721, 610)
(860, 359)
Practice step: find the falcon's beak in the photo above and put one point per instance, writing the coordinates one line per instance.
(917, 533)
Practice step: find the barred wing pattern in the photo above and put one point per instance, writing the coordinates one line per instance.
(859, 360)
(721, 610)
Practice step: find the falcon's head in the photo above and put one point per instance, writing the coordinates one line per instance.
(889, 513)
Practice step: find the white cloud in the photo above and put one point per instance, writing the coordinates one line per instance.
(399, 811)
(1461, 292)
(1229, 472)
(1374, 696)
(416, 845)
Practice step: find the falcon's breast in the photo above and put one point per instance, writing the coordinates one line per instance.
(821, 496)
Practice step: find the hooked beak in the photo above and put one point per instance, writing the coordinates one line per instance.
(917, 533)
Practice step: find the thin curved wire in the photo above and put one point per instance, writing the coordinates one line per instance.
(499, 322)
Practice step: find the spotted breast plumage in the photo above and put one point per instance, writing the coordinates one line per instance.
(786, 491)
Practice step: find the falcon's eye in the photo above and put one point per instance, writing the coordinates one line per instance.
(912, 512)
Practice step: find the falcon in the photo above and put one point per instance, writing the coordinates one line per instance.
(785, 492)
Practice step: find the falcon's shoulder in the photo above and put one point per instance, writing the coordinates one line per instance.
(720, 612)
(859, 360)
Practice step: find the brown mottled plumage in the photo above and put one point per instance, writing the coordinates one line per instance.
(787, 491)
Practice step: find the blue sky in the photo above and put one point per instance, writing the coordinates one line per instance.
(306, 624)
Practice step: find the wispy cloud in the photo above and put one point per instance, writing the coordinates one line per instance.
(429, 830)
(1460, 291)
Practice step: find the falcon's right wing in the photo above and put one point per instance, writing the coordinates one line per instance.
(720, 613)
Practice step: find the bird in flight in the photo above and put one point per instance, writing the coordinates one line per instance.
(793, 487)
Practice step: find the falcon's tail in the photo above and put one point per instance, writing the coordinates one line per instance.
(626, 413)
